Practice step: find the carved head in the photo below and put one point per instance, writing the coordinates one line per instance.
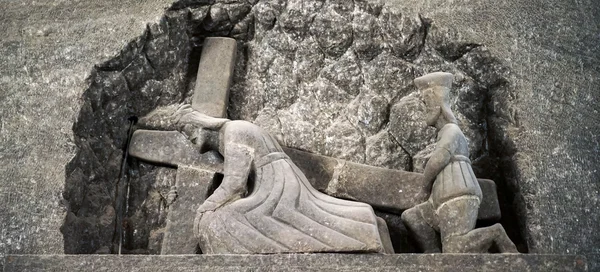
(435, 90)
(201, 129)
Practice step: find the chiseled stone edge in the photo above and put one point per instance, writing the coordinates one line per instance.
(303, 262)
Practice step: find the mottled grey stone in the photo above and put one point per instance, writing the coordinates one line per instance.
(47, 51)
(171, 148)
(215, 74)
(305, 262)
(369, 112)
(344, 73)
(523, 115)
(381, 151)
(407, 126)
(192, 187)
(332, 31)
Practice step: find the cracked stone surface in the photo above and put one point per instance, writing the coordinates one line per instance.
(339, 88)
(330, 77)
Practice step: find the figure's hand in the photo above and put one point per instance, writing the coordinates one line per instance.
(183, 110)
(206, 208)
(199, 216)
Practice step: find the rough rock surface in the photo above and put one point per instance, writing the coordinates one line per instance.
(47, 51)
(343, 80)
(301, 75)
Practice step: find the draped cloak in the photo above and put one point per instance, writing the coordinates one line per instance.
(283, 212)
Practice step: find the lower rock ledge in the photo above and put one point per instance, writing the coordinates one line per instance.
(303, 262)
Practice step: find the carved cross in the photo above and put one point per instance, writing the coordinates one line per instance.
(195, 171)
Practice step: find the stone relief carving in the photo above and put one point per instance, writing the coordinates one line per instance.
(280, 211)
(455, 196)
(361, 111)
(265, 203)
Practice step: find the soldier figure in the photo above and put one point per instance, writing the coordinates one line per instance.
(455, 196)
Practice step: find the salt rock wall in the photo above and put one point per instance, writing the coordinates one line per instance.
(330, 77)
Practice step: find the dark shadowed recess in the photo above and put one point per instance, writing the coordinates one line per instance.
(159, 68)
(497, 161)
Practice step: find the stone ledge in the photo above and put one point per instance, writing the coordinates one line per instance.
(302, 262)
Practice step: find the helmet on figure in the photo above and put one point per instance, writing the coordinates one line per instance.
(435, 90)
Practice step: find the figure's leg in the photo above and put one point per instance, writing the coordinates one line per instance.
(385, 236)
(498, 235)
(457, 222)
(420, 228)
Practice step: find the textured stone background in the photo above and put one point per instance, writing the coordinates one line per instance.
(50, 48)
(47, 50)
(348, 96)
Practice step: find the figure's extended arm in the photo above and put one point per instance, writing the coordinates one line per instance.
(175, 117)
(238, 162)
(440, 157)
(186, 115)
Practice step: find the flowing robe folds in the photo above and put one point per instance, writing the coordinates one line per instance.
(271, 207)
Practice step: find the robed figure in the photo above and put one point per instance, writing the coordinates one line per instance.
(265, 204)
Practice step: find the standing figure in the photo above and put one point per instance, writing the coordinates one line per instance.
(265, 204)
(455, 196)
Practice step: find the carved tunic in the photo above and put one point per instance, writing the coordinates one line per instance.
(457, 178)
(283, 212)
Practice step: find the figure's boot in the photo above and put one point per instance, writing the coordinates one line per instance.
(480, 241)
(475, 241)
(503, 242)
